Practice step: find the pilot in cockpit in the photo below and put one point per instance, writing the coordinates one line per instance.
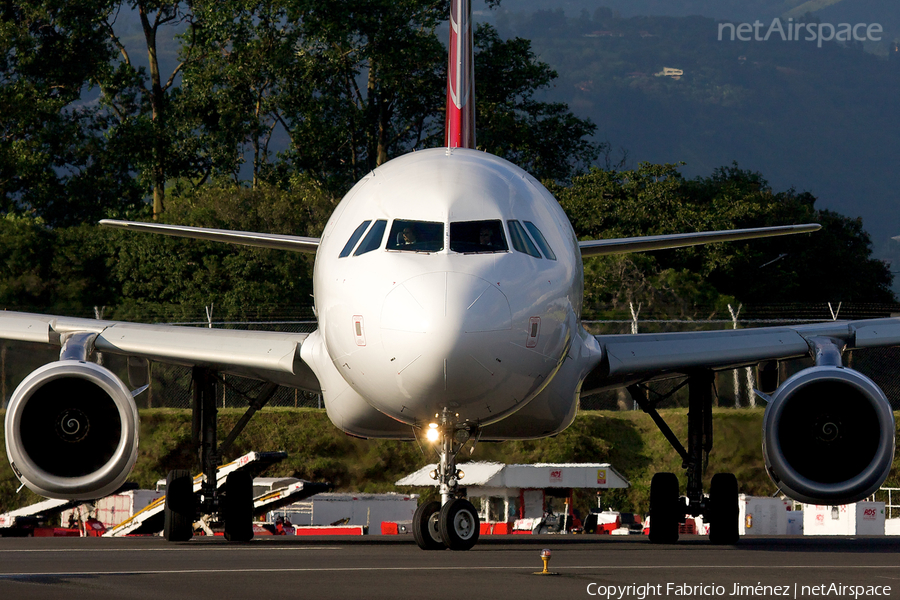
(486, 237)
(416, 236)
(407, 237)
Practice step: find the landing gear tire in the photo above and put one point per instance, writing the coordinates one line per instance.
(238, 507)
(723, 509)
(664, 509)
(180, 506)
(426, 530)
(459, 524)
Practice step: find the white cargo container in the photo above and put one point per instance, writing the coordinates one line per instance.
(862, 518)
(829, 520)
(764, 516)
(870, 518)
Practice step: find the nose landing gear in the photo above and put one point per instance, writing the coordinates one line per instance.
(453, 522)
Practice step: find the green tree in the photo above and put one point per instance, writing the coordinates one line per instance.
(834, 264)
(62, 269)
(141, 105)
(233, 97)
(26, 254)
(55, 158)
(179, 277)
(354, 84)
(543, 138)
(377, 70)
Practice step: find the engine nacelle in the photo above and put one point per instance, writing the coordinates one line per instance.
(828, 436)
(72, 431)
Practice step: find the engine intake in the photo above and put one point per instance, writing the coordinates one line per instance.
(828, 436)
(72, 431)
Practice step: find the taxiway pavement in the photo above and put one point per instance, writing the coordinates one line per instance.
(393, 568)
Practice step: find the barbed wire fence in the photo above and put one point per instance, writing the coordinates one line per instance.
(171, 384)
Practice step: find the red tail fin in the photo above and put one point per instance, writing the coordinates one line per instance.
(461, 78)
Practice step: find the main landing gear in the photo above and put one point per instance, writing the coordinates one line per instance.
(668, 510)
(233, 503)
(453, 522)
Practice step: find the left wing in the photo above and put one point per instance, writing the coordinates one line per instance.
(266, 355)
(273, 241)
(627, 359)
(680, 240)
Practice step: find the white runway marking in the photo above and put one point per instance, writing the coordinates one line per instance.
(426, 568)
(180, 549)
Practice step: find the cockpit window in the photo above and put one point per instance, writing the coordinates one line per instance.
(520, 240)
(348, 247)
(540, 240)
(477, 236)
(416, 236)
(373, 238)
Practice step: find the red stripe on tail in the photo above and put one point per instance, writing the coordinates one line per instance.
(461, 78)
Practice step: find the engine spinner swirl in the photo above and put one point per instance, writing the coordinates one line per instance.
(72, 425)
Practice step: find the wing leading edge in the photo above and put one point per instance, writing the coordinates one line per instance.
(680, 240)
(272, 241)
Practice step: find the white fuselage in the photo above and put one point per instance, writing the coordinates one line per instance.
(442, 322)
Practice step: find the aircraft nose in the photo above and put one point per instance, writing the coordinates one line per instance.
(445, 303)
(438, 326)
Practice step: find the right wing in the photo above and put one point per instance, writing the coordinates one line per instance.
(681, 240)
(273, 241)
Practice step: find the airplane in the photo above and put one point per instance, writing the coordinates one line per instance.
(448, 288)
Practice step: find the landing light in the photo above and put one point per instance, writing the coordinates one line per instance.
(432, 434)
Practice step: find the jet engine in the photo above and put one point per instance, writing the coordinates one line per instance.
(828, 436)
(72, 431)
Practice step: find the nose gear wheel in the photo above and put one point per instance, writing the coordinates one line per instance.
(426, 530)
(459, 524)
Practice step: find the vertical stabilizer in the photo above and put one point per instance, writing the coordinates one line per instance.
(461, 78)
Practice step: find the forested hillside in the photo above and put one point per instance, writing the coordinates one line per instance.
(817, 119)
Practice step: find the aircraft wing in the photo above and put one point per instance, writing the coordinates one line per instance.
(628, 359)
(266, 355)
(273, 241)
(680, 240)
